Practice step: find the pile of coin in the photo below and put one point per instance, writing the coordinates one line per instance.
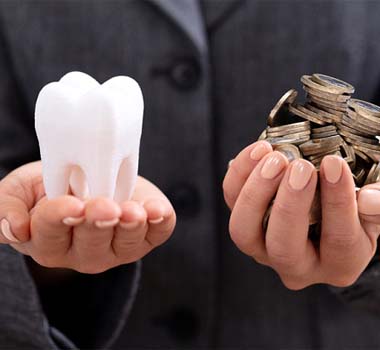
(329, 122)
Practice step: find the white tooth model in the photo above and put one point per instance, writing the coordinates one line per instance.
(89, 136)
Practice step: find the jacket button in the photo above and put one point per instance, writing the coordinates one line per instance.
(186, 74)
(185, 199)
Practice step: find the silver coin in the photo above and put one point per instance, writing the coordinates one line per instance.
(323, 129)
(288, 98)
(308, 116)
(290, 151)
(365, 107)
(331, 82)
(326, 95)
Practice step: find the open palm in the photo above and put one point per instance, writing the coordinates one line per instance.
(88, 236)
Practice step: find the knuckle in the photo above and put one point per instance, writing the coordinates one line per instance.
(46, 261)
(290, 265)
(127, 244)
(240, 239)
(164, 235)
(337, 202)
(91, 269)
(248, 195)
(340, 240)
(345, 280)
(95, 243)
(160, 236)
(157, 239)
(229, 199)
(289, 210)
(284, 261)
(234, 232)
(235, 170)
(260, 259)
(294, 284)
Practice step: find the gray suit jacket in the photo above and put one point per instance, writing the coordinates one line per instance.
(210, 73)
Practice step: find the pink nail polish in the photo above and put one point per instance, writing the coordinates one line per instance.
(156, 221)
(71, 221)
(332, 168)
(273, 166)
(369, 202)
(258, 151)
(129, 225)
(300, 174)
(106, 223)
(7, 232)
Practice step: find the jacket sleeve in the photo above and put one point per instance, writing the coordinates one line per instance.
(88, 310)
(365, 292)
(82, 310)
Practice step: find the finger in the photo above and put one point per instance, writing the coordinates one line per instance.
(290, 251)
(240, 168)
(92, 239)
(372, 230)
(145, 190)
(368, 200)
(161, 218)
(247, 215)
(51, 237)
(160, 213)
(131, 231)
(25, 183)
(345, 249)
(19, 190)
(369, 203)
(14, 220)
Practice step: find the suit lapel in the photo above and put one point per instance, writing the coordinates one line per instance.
(217, 11)
(187, 15)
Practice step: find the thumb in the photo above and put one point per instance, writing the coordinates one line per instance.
(369, 203)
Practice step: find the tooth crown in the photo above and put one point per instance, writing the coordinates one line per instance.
(89, 135)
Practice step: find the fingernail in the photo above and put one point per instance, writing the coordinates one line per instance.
(369, 202)
(273, 166)
(258, 151)
(332, 168)
(300, 174)
(7, 232)
(230, 162)
(156, 221)
(70, 221)
(129, 225)
(106, 223)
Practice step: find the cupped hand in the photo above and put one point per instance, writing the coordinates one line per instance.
(347, 244)
(87, 236)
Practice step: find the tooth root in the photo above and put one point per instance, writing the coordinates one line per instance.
(101, 180)
(56, 181)
(78, 182)
(126, 178)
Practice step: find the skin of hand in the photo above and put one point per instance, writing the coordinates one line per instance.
(348, 239)
(88, 236)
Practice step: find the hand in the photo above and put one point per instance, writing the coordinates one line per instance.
(257, 175)
(87, 236)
